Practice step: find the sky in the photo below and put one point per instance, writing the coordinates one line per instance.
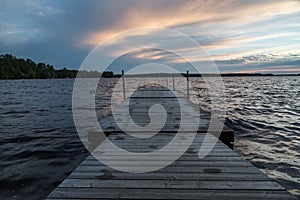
(252, 36)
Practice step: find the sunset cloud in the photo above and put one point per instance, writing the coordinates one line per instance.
(63, 32)
(195, 17)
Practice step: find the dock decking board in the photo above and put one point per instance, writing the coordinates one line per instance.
(222, 174)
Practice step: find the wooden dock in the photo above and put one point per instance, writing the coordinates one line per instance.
(222, 174)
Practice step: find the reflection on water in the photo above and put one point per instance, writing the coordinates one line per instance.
(40, 147)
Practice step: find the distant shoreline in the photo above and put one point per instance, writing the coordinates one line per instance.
(167, 75)
(12, 68)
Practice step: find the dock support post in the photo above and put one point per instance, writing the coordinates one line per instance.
(173, 82)
(167, 84)
(187, 85)
(123, 79)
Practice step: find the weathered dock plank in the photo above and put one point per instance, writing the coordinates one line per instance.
(222, 174)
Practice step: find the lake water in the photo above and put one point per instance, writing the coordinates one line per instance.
(40, 147)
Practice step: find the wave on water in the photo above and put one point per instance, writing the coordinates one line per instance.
(40, 146)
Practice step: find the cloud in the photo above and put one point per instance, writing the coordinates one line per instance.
(42, 10)
(229, 30)
(279, 62)
(193, 16)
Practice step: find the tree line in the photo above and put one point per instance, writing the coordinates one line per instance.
(18, 68)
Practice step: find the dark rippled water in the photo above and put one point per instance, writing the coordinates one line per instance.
(265, 114)
(40, 147)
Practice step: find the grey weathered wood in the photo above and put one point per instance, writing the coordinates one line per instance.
(182, 169)
(177, 163)
(222, 174)
(171, 184)
(132, 193)
(171, 176)
(185, 157)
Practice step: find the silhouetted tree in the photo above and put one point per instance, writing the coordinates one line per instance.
(17, 68)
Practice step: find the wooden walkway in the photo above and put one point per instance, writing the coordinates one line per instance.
(223, 174)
